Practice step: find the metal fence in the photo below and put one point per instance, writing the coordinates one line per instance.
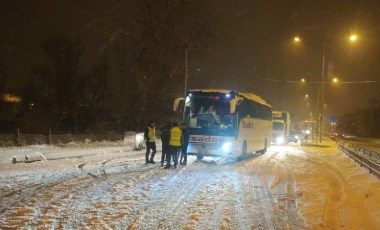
(365, 157)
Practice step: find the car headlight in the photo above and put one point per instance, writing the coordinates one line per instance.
(227, 147)
(280, 140)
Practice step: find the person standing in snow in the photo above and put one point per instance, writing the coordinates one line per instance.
(150, 138)
(174, 145)
(165, 135)
(185, 142)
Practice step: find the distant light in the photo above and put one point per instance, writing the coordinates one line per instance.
(297, 39)
(353, 37)
(228, 95)
(303, 80)
(307, 96)
(11, 98)
(190, 94)
(335, 80)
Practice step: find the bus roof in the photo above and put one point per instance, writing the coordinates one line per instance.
(249, 96)
(256, 98)
(212, 90)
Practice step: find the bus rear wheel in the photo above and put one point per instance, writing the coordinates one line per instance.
(243, 151)
(265, 147)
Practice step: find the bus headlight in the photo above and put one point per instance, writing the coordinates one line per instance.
(280, 140)
(227, 147)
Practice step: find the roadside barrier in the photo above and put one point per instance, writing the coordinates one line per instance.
(365, 157)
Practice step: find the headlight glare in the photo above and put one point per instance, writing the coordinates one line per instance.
(227, 147)
(280, 140)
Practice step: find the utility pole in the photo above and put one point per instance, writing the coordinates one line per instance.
(322, 103)
(186, 73)
(187, 49)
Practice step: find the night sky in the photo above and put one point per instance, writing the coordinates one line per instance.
(251, 46)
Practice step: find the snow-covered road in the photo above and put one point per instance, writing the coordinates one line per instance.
(109, 187)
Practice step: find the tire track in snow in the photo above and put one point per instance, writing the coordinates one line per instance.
(274, 216)
(218, 190)
(336, 190)
(49, 199)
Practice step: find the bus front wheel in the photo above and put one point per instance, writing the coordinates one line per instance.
(199, 157)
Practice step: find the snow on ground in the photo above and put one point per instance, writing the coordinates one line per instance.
(107, 186)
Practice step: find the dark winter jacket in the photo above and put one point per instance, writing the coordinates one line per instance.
(165, 134)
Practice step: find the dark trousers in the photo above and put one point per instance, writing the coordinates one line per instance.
(174, 150)
(183, 159)
(165, 153)
(150, 146)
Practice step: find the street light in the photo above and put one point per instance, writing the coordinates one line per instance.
(353, 37)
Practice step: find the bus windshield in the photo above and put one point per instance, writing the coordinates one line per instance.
(208, 112)
(278, 126)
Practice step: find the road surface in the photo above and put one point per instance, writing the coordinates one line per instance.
(289, 187)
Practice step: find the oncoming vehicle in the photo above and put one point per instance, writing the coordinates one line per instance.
(281, 127)
(225, 123)
(278, 133)
(293, 137)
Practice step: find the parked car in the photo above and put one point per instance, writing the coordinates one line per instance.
(339, 135)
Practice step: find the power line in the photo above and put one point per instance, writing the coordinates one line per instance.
(316, 82)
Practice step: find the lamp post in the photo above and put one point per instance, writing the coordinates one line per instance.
(322, 82)
(298, 40)
(353, 38)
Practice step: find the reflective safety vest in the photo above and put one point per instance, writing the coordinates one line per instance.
(175, 137)
(152, 134)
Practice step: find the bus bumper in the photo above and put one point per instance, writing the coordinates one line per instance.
(214, 150)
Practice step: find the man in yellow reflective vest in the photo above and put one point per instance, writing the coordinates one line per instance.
(175, 142)
(150, 138)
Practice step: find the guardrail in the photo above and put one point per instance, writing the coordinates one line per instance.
(365, 157)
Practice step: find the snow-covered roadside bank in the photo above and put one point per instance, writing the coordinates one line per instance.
(67, 159)
(335, 192)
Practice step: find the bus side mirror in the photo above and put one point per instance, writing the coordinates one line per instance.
(178, 105)
(233, 103)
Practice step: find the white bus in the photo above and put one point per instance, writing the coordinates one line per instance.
(225, 123)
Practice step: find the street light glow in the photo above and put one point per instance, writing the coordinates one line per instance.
(297, 39)
(335, 80)
(353, 37)
(303, 80)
